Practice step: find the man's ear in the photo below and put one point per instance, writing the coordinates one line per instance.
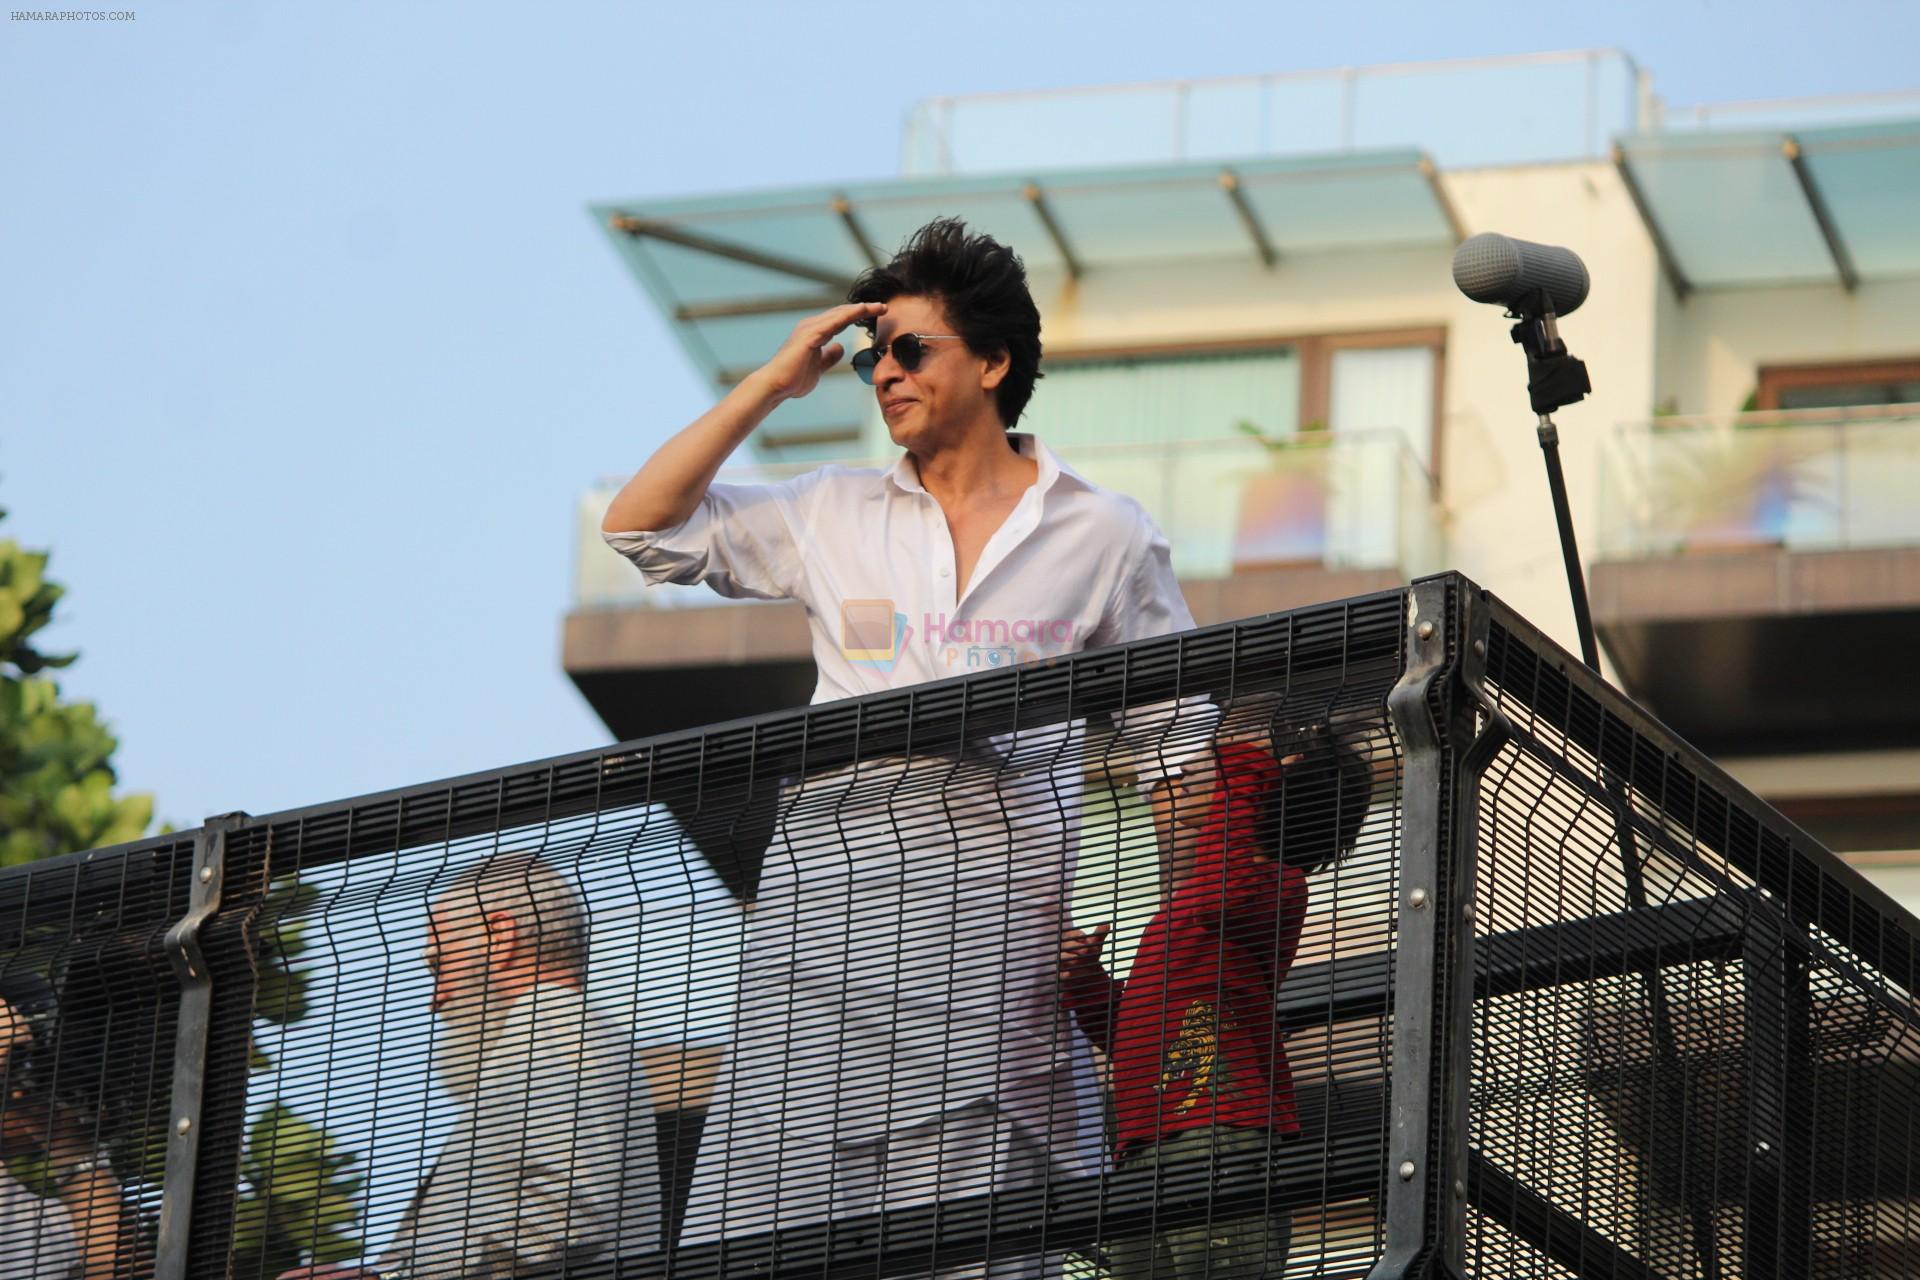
(998, 365)
(503, 940)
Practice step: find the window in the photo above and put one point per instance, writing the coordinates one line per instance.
(1168, 426)
(1154, 399)
(1839, 386)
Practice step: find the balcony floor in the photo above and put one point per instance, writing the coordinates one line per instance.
(1769, 650)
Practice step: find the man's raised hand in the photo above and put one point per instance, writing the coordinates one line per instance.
(810, 351)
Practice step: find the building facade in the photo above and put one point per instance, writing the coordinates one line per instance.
(1250, 325)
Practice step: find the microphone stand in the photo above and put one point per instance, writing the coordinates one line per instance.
(1556, 379)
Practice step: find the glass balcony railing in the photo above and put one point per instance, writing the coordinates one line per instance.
(1464, 112)
(1810, 480)
(1787, 113)
(1351, 500)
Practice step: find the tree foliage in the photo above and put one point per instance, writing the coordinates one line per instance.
(300, 1200)
(56, 770)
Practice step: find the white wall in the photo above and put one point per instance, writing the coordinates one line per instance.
(1713, 344)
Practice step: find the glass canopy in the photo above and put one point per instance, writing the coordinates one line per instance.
(1780, 206)
(733, 272)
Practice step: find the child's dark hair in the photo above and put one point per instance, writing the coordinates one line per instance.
(1312, 819)
(982, 286)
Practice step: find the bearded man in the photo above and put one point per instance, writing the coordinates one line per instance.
(552, 1161)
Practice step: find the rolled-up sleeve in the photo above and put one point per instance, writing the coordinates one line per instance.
(742, 541)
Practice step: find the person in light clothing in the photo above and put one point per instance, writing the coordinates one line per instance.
(552, 1160)
(864, 1076)
(75, 1224)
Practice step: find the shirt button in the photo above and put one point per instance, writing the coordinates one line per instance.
(945, 572)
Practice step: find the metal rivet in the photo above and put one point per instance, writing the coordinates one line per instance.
(1466, 913)
(1459, 1188)
(1479, 648)
(206, 875)
(1763, 1148)
(1424, 631)
(1406, 1170)
(184, 1125)
(1418, 898)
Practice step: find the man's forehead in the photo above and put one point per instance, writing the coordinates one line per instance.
(450, 915)
(911, 313)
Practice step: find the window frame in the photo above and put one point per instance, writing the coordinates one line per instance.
(1775, 378)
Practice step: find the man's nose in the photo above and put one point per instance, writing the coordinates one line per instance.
(888, 372)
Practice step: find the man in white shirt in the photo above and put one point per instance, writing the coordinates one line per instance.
(863, 1076)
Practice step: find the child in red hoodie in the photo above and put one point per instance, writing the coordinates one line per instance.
(1198, 1066)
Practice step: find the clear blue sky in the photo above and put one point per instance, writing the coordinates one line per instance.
(308, 348)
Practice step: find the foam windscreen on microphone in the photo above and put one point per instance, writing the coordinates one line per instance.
(1513, 273)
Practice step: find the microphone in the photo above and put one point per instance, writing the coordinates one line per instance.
(1518, 274)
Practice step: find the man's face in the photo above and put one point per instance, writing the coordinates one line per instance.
(456, 955)
(23, 1127)
(13, 1030)
(950, 389)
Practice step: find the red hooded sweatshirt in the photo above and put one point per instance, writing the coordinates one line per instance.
(1190, 1035)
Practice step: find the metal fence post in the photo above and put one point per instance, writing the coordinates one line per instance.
(1479, 724)
(1417, 974)
(190, 1045)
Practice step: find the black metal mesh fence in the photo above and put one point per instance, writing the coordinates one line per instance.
(955, 981)
(791, 992)
(91, 1004)
(1706, 1054)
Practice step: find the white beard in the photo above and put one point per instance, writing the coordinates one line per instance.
(468, 1031)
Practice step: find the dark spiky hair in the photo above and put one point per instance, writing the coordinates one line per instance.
(1314, 817)
(982, 286)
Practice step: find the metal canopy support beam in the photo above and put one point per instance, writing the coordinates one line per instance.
(843, 209)
(1431, 172)
(1038, 200)
(1230, 183)
(768, 306)
(1668, 264)
(1822, 216)
(656, 230)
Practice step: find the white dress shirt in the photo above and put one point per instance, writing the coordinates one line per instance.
(1073, 567)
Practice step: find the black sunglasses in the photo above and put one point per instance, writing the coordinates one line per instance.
(907, 348)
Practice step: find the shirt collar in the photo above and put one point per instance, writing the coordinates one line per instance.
(906, 476)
